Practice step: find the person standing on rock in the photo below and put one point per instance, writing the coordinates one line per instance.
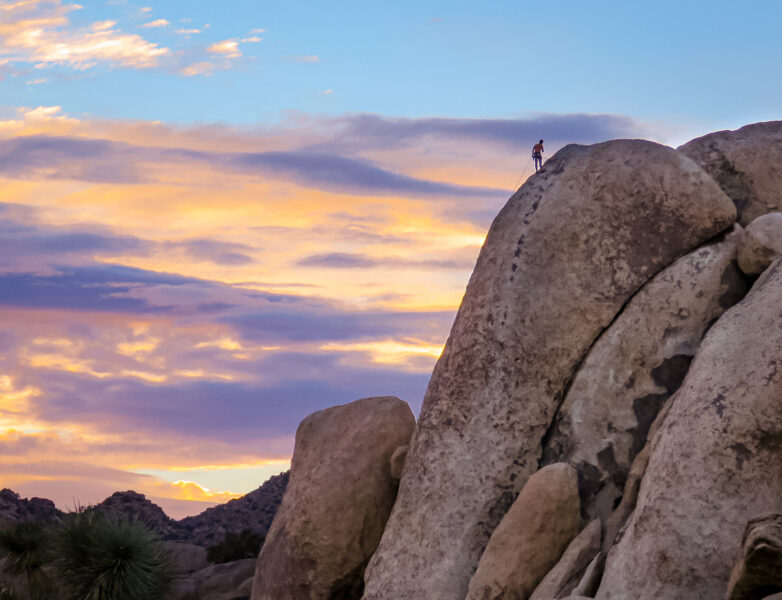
(537, 155)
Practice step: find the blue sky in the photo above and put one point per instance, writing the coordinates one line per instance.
(216, 218)
(708, 62)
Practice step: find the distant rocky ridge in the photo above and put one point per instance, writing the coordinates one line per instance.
(253, 511)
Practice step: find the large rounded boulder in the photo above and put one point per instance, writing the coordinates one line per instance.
(747, 164)
(338, 500)
(564, 255)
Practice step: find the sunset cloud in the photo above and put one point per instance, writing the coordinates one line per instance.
(227, 48)
(176, 299)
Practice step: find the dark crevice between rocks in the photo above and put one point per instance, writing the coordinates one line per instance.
(737, 285)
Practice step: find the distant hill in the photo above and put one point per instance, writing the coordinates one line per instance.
(253, 511)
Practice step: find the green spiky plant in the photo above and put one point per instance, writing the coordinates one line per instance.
(104, 557)
(27, 548)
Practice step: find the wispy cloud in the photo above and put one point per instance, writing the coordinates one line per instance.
(308, 58)
(38, 32)
(101, 160)
(156, 23)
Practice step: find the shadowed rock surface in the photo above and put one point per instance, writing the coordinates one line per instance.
(561, 259)
(747, 164)
(13, 508)
(216, 582)
(714, 464)
(340, 495)
(635, 365)
(758, 572)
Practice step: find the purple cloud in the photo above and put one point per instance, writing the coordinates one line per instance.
(220, 410)
(101, 160)
(355, 133)
(343, 260)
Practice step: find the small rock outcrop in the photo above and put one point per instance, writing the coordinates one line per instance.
(254, 511)
(137, 506)
(340, 495)
(714, 463)
(566, 575)
(561, 259)
(635, 365)
(531, 537)
(761, 244)
(758, 573)
(746, 163)
(14, 508)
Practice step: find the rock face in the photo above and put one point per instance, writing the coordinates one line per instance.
(340, 495)
(758, 572)
(747, 163)
(187, 557)
(561, 259)
(761, 243)
(635, 365)
(567, 573)
(531, 537)
(714, 463)
(216, 582)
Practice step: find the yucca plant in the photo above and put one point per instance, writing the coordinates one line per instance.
(27, 547)
(104, 557)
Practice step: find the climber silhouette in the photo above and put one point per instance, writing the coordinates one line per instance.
(537, 155)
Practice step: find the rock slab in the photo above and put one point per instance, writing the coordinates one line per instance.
(636, 364)
(714, 463)
(747, 164)
(563, 256)
(338, 500)
(531, 537)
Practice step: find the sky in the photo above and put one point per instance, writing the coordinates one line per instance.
(216, 218)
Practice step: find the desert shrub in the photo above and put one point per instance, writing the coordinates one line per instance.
(26, 548)
(103, 557)
(236, 546)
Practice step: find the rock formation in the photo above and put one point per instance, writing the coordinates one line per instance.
(747, 164)
(13, 508)
(340, 495)
(635, 365)
(561, 259)
(714, 463)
